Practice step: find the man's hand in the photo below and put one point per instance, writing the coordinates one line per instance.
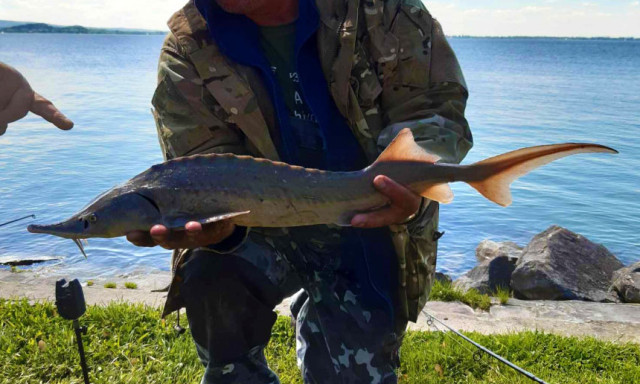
(403, 204)
(17, 98)
(195, 235)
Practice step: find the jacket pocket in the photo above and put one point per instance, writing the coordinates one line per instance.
(418, 245)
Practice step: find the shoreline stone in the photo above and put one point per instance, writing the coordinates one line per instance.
(626, 281)
(488, 276)
(489, 250)
(561, 265)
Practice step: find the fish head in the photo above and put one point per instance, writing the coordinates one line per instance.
(112, 214)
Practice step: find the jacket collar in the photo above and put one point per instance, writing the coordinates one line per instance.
(339, 25)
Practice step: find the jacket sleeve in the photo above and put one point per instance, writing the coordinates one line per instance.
(188, 119)
(426, 91)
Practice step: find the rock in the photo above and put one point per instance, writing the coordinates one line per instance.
(16, 262)
(626, 282)
(561, 265)
(443, 277)
(488, 250)
(488, 276)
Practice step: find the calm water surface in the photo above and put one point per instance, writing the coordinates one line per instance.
(523, 92)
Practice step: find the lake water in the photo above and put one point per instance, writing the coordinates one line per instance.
(523, 92)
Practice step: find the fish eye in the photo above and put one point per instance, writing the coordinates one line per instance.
(92, 218)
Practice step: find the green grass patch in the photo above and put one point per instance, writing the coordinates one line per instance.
(128, 343)
(130, 285)
(90, 283)
(110, 285)
(503, 294)
(444, 291)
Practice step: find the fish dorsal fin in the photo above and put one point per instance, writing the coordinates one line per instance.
(404, 148)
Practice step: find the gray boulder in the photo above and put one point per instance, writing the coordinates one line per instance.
(488, 250)
(561, 265)
(488, 276)
(443, 277)
(626, 282)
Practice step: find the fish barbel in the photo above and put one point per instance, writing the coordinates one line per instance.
(262, 193)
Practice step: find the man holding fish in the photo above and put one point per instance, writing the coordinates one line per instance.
(328, 88)
(325, 85)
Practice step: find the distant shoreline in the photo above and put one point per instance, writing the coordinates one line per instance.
(544, 37)
(42, 28)
(156, 33)
(15, 27)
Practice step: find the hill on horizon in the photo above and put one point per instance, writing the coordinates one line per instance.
(8, 26)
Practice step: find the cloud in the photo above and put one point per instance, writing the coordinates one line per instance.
(538, 18)
(147, 14)
(459, 17)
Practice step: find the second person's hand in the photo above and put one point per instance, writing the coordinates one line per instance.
(17, 99)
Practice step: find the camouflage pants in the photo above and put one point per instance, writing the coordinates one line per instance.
(346, 328)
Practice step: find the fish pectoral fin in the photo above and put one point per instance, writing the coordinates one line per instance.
(441, 193)
(178, 223)
(223, 216)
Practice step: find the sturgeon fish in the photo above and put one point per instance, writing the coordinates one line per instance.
(262, 193)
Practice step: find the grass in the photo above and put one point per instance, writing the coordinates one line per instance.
(90, 283)
(503, 294)
(128, 343)
(444, 291)
(110, 285)
(130, 285)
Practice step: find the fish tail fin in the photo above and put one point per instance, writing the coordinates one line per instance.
(404, 148)
(492, 177)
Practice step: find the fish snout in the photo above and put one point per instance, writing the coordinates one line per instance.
(70, 229)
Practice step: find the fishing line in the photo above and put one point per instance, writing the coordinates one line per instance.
(16, 220)
(431, 320)
(477, 355)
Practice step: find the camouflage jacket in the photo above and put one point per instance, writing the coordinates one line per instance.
(388, 66)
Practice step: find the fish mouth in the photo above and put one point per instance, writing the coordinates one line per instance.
(72, 229)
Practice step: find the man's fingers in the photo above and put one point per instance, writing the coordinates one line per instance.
(141, 239)
(193, 228)
(402, 204)
(399, 195)
(379, 218)
(45, 108)
(194, 235)
(160, 234)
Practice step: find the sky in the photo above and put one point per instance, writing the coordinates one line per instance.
(571, 18)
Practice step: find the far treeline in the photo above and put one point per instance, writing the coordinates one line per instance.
(76, 29)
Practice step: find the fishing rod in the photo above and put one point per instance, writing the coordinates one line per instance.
(16, 220)
(430, 321)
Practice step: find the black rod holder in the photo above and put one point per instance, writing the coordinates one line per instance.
(71, 305)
